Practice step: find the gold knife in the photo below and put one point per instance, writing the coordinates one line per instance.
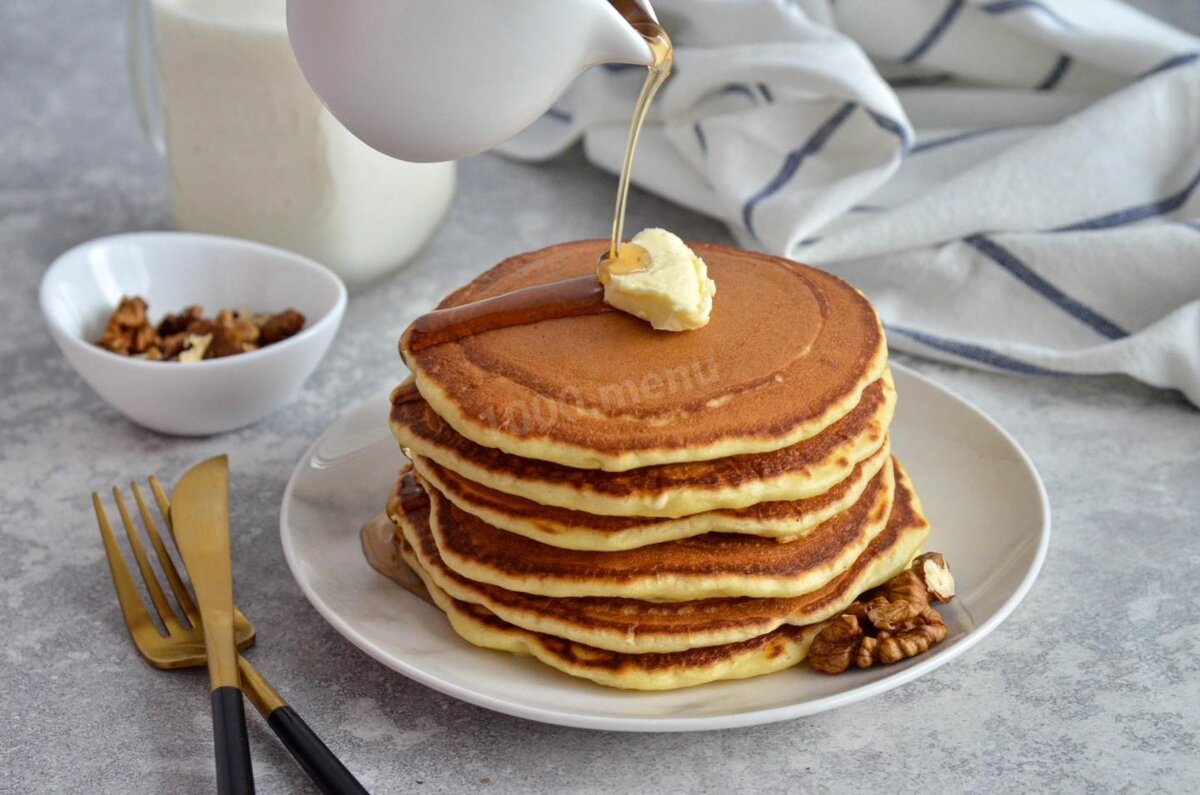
(200, 521)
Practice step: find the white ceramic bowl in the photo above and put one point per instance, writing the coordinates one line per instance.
(172, 270)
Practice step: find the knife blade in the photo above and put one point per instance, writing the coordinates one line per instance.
(200, 523)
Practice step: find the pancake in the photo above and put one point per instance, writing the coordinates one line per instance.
(631, 626)
(702, 567)
(783, 648)
(803, 470)
(561, 527)
(606, 391)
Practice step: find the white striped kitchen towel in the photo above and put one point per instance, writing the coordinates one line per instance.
(1013, 182)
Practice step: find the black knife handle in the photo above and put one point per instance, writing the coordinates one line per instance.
(325, 769)
(234, 775)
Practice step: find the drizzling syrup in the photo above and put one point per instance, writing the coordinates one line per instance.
(412, 497)
(583, 295)
(630, 257)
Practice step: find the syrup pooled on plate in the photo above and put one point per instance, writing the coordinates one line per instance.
(382, 550)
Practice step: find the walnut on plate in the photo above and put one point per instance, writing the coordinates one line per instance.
(890, 623)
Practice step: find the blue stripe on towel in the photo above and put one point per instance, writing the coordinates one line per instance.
(1134, 214)
(1076, 309)
(895, 128)
(1004, 6)
(1056, 74)
(766, 92)
(935, 33)
(918, 81)
(968, 350)
(1171, 63)
(794, 160)
(952, 139)
(740, 88)
(700, 139)
(560, 115)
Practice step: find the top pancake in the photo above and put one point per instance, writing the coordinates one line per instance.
(788, 351)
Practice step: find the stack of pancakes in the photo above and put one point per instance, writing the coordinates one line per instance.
(648, 509)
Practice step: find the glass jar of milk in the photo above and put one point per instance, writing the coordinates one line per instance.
(252, 153)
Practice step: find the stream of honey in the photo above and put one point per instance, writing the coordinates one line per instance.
(629, 257)
(569, 297)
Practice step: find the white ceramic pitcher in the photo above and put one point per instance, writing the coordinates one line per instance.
(430, 80)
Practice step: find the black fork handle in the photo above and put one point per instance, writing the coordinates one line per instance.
(232, 746)
(325, 769)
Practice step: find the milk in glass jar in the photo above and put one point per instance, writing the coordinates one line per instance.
(252, 153)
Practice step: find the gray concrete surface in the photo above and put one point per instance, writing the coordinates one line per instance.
(1093, 684)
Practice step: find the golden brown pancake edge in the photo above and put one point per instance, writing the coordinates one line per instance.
(805, 469)
(783, 520)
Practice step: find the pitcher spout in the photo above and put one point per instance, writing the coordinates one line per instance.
(620, 33)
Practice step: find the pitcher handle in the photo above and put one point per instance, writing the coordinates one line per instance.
(142, 80)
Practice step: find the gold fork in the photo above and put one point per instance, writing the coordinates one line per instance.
(183, 645)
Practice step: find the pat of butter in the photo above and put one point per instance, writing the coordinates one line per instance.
(673, 291)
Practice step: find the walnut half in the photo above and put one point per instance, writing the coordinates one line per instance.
(890, 623)
(836, 645)
(935, 573)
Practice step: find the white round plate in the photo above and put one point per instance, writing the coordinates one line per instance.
(983, 496)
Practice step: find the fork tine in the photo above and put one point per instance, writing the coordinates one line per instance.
(131, 602)
(164, 505)
(139, 553)
(164, 560)
(241, 624)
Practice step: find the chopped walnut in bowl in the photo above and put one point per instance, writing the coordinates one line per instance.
(168, 271)
(191, 337)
